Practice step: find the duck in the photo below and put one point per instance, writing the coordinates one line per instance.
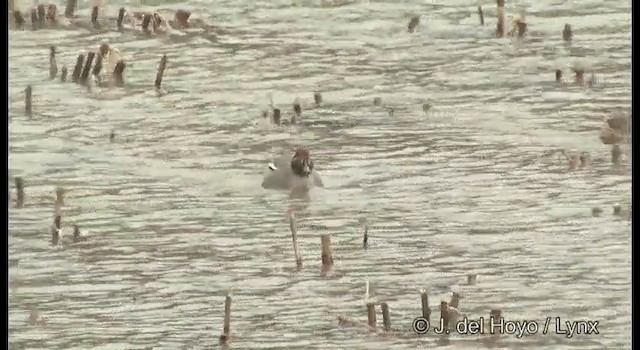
(295, 173)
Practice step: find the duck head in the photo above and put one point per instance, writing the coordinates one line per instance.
(104, 49)
(301, 163)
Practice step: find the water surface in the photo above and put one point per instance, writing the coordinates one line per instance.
(178, 219)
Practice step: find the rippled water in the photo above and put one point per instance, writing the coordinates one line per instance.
(177, 216)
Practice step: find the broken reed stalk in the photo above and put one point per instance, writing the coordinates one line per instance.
(97, 67)
(145, 23)
(558, 76)
(522, 28)
(42, 16)
(444, 314)
(317, 98)
(55, 230)
(371, 315)
(18, 19)
(495, 315)
(53, 66)
(87, 68)
(161, 68)
(297, 109)
(616, 154)
(294, 236)
(19, 182)
(70, 8)
(121, 13)
(63, 74)
(424, 299)
(75, 77)
(34, 19)
(59, 200)
(500, 24)
(52, 14)
(327, 251)
(226, 326)
(471, 279)
(117, 78)
(27, 99)
(455, 300)
(155, 22)
(386, 320)
(481, 15)
(94, 17)
(567, 33)
(413, 23)
(579, 76)
(365, 239)
(276, 116)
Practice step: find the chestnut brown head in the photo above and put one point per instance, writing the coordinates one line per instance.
(104, 49)
(317, 98)
(276, 116)
(52, 13)
(567, 33)
(558, 75)
(76, 233)
(301, 163)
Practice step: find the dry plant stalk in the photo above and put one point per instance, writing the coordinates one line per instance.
(500, 25)
(424, 299)
(53, 66)
(327, 251)
(294, 236)
(226, 327)
(77, 70)
(19, 183)
(386, 320)
(317, 98)
(371, 315)
(161, 68)
(28, 92)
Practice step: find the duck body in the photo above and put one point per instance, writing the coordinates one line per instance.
(282, 174)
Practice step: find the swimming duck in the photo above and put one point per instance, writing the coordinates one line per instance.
(297, 172)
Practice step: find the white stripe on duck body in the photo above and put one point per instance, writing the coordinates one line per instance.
(292, 173)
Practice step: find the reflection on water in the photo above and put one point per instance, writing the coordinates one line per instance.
(178, 219)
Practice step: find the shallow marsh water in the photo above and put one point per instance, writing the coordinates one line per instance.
(177, 216)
